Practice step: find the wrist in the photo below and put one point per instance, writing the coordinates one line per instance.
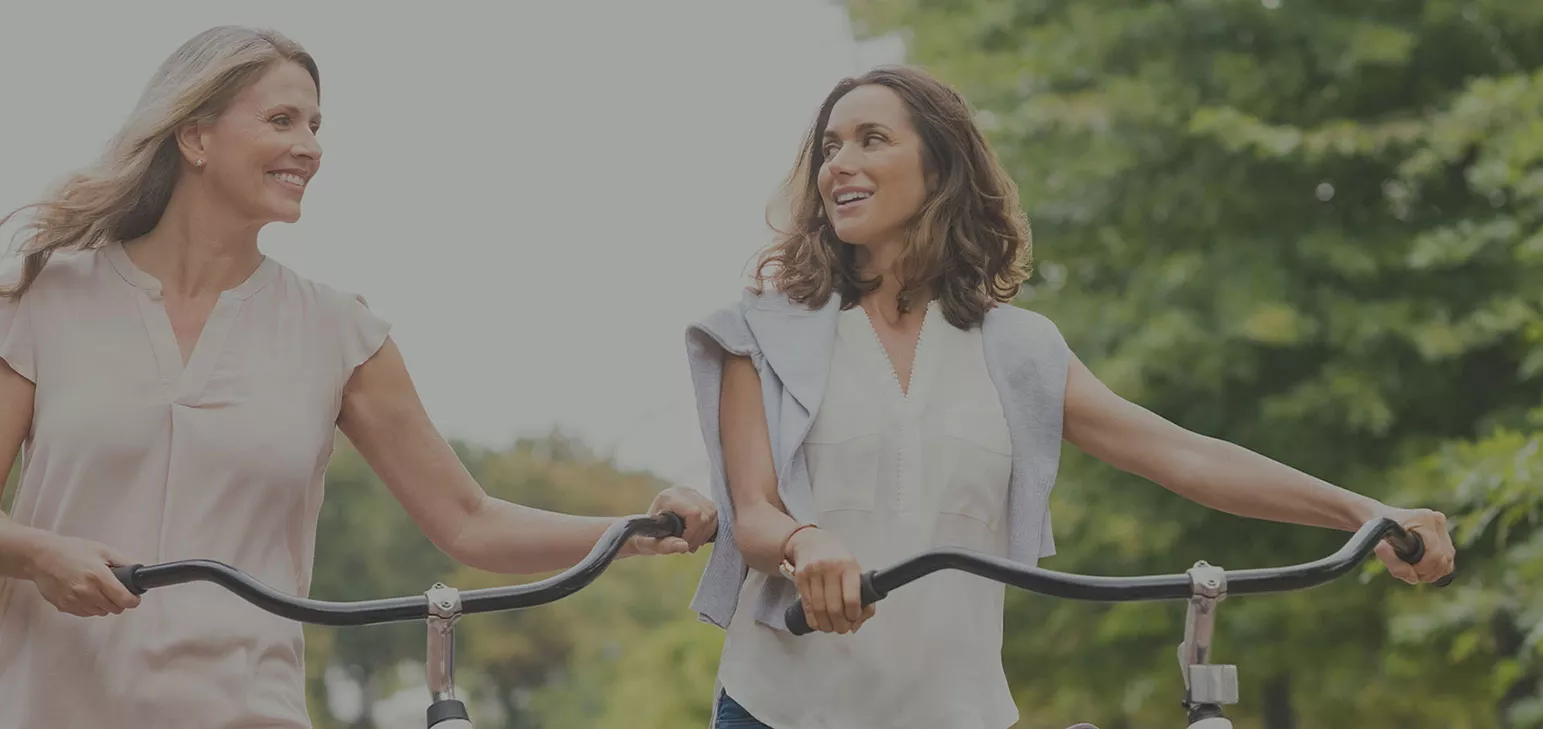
(27, 548)
(791, 542)
(1364, 509)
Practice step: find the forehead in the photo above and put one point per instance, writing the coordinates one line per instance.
(285, 84)
(869, 104)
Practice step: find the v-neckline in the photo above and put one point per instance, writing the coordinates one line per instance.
(184, 380)
(905, 391)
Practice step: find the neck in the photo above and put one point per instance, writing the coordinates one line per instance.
(195, 250)
(878, 260)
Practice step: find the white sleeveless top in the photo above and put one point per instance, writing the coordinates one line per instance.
(895, 474)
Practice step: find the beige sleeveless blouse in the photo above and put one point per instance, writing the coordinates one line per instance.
(222, 459)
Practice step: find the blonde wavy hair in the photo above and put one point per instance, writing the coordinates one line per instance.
(124, 194)
(969, 244)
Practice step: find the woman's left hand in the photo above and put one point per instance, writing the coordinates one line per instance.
(699, 512)
(1440, 554)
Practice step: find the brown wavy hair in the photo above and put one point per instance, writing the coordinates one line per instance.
(969, 243)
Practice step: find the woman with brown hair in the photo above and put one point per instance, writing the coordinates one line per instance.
(882, 397)
(178, 392)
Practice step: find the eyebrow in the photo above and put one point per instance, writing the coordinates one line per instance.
(863, 127)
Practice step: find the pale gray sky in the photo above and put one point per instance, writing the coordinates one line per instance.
(538, 196)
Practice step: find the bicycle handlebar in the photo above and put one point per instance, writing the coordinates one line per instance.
(877, 584)
(140, 578)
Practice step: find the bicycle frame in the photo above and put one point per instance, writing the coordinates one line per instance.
(440, 607)
(1207, 686)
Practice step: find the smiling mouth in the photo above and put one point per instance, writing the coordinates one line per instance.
(289, 178)
(847, 198)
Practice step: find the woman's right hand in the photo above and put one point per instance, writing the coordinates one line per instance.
(829, 581)
(75, 576)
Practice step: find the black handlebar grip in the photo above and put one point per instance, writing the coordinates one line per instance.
(125, 575)
(1415, 553)
(674, 526)
(1415, 550)
(799, 625)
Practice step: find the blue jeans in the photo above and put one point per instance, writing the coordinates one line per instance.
(733, 716)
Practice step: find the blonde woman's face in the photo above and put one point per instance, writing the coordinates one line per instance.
(262, 152)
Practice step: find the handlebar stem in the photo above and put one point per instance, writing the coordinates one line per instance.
(444, 612)
(1205, 684)
(1208, 586)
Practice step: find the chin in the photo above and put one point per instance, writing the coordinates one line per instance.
(851, 235)
(285, 215)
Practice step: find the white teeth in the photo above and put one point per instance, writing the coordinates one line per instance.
(290, 178)
(847, 197)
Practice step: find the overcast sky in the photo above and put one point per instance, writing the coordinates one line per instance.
(539, 196)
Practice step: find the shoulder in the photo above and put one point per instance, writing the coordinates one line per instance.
(342, 317)
(775, 302)
(771, 300)
(729, 323)
(739, 325)
(722, 328)
(62, 281)
(65, 270)
(339, 312)
(312, 293)
(1016, 321)
(749, 300)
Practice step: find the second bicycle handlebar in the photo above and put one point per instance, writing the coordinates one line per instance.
(139, 578)
(876, 585)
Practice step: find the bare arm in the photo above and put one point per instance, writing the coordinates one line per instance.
(384, 418)
(1208, 471)
(17, 543)
(761, 522)
(1230, 478)
(827, 575)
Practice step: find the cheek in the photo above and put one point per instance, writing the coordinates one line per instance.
(823, 182)
(905, 179)
(232, 167)
(918, 193)
(232, 176)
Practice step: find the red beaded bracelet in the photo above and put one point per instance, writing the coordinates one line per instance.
(787, 566)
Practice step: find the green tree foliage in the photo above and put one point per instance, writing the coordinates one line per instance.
(1310, 228)
(1495, 485)
(533, 668)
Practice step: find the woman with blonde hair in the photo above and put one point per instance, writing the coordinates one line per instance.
(882, 397)
(177, 392)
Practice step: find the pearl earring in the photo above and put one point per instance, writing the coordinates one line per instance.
(199, 163)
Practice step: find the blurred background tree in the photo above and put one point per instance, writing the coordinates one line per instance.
(552, 666)
(1312, 229)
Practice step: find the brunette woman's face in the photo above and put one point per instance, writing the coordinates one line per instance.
(871, 178)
